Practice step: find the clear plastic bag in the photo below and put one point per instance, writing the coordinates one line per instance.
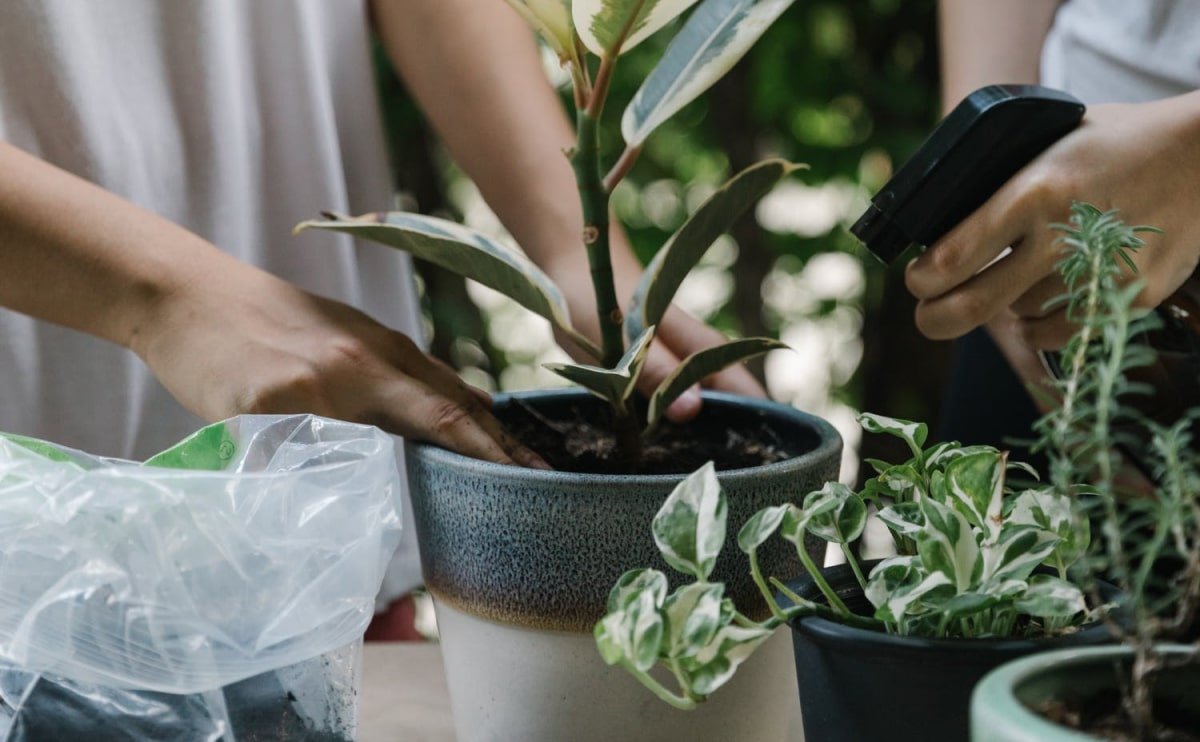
(245, 560)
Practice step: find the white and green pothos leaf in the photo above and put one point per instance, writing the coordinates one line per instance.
(947, 545)
(835, 513)
(903, 518)
(552, 21)
(761, 526)
(689, 529)
(683, 250)
(700, 365)
(1045, 509)
(612, 27)
(1018, 552)
(695, 613)
(914, 434)
(715, 37)
(467, 253)
(714, 664)
(616, 384)
(975, 484)
(1050, 597)
(897, 585)
(633, 635)
(634, 582)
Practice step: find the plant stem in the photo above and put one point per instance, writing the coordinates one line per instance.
(594, 200)
(853, 562)
(804, 607)
(756, 573)
(819, 579)
(679, 702)
(622, 168)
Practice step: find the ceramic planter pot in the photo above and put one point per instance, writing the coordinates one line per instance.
(1001, 705)
(520, 563)
(858, 684)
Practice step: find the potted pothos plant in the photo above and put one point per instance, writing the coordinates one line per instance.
(1148, 540)
(888, 649)
(519, 561)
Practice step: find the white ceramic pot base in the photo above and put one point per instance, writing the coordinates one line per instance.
(510, 683)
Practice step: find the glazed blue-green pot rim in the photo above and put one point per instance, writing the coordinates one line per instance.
(852, 638)
(997, 691)
(830, 444)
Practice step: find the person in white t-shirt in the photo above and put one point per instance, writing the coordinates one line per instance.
(154, 157)
(1137, 66)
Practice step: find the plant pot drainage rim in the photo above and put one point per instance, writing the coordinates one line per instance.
(828, 441)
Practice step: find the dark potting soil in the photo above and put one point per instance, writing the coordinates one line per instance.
(1100, 716)
(583, 441)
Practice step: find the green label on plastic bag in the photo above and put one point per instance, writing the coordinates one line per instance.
(208, 449)
(41, 448)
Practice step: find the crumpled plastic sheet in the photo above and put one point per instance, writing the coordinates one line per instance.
(219, 589)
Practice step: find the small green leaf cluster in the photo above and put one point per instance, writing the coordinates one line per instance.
(589, 36)
(968, 548)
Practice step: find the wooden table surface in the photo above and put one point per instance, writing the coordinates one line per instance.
(403, 694)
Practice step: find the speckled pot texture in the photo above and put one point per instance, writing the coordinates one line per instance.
(541, 549)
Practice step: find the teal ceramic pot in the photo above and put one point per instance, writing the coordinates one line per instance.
(1002, 702)
(520, 563)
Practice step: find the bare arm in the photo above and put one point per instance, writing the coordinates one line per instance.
(482, 85)
(223, 336)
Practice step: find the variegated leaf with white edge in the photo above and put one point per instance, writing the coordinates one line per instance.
(948, 545)
(614, 385)
(634, 582)
(699, 366)
(612, 27)
(713, 665)
(760, 527)
(466, 252)
(914, 434)
(715, 37)
(552, 21)
(648, 631)
(888, 576)
(840, 523)
(689, 529)
(1057, 513)
(1019, 551)
(903, 518)
(694, 613)
(975, 484)
(716, 216)
(899, 602)
(1050, 597)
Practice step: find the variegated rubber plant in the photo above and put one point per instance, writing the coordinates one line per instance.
(968, 549)
(589, 36)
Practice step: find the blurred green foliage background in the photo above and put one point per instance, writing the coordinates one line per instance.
(849, 88)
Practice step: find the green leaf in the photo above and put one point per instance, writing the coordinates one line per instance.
(611, 27)
(467, 253)
(760, 527)
(1045, 509)
(608, 633)
(634, 582)
(896, 585)
(694, 613)
(966, 604)
(714, 38)
(904, 518)
(1050, 597)
(714, 665)
(702, 364)
(795, 521)
(648, 631)
(840, 523)
(614, 385)
(975, 484)
(1019, 551)
(689, 529)
(684, 249)
(947, 545)
(914, 434)
(552, 21)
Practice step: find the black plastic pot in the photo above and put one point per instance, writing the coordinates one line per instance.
(858, 685)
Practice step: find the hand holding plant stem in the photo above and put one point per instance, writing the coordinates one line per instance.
(714, 37)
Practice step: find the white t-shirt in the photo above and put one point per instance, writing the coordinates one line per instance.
(234, 118)
(1124, 51)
